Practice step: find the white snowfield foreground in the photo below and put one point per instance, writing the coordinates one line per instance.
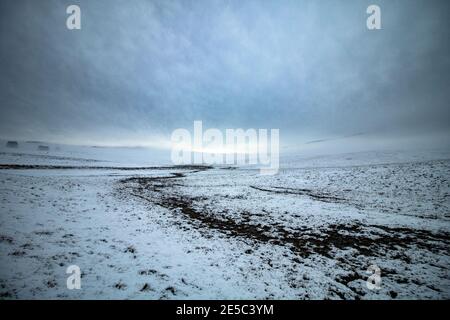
(224, 233)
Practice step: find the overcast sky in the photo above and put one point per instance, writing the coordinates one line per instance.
(139, 69)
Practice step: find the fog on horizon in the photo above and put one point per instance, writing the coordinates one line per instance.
(138, 70)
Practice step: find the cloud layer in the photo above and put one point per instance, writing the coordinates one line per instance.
(139, 69)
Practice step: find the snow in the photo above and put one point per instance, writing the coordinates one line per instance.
(310, 232)
(59, 154)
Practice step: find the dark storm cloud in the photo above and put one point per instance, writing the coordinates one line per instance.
(138, 69)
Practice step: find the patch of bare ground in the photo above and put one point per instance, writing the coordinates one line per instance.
(368, 240)
(350, 246)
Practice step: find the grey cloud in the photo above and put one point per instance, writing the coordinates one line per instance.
(142, 68)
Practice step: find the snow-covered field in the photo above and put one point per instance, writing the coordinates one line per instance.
(310, 232)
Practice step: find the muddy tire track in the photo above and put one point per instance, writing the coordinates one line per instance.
(324, 197)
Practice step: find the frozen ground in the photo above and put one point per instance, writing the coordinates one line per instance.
(310, 232)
